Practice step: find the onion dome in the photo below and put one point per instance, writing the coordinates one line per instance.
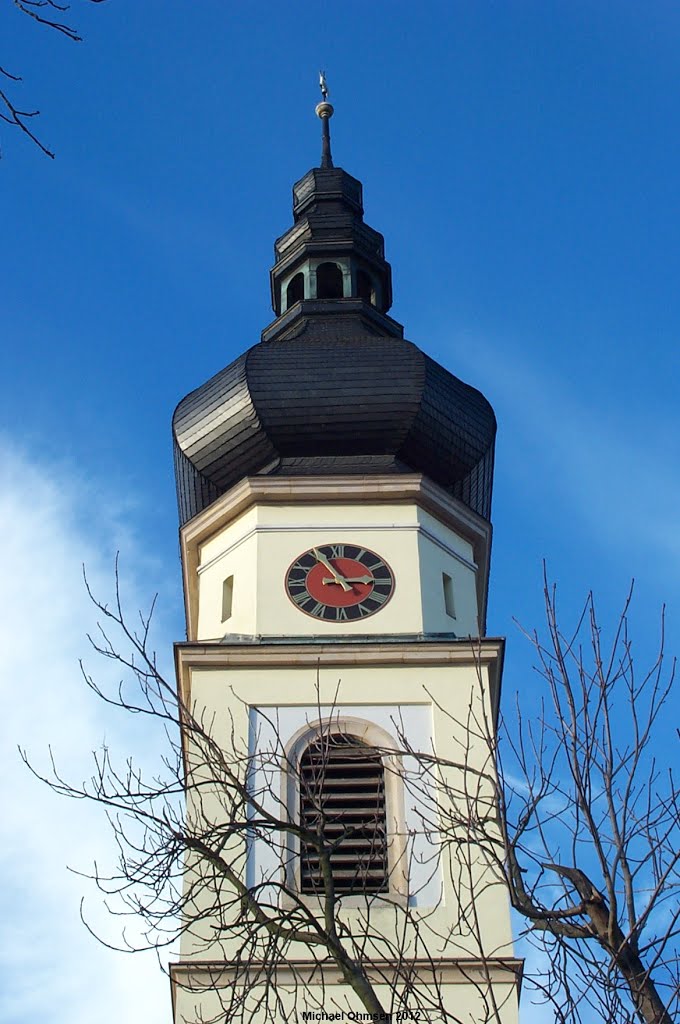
(332, 388)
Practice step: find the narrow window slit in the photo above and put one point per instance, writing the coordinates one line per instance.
(449, 604)
(227, 597)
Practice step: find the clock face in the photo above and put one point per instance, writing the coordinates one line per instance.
(339, 582)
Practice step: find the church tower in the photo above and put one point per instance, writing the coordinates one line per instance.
(338, 690)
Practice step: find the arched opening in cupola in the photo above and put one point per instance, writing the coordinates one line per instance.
(295, 291)
(365, 287)
(329, 281)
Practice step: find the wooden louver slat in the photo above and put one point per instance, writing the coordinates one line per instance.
(342, 801)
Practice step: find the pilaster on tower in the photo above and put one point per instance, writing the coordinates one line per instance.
(334, 489)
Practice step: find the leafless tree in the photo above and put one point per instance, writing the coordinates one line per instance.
(569, 810)
(49, 14)
(186, 839)
(589, 822)
(592, 831)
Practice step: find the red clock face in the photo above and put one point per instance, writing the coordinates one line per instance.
(339, 582)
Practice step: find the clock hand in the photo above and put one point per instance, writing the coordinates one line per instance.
(353, 579)
(324, 561)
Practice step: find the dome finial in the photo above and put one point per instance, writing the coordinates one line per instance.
(324, 110)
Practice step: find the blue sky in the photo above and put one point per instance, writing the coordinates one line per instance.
(521, 159)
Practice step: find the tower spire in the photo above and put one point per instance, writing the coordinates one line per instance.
(324, 110)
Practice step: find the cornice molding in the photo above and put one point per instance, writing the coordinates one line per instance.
(487, 653)
(206, 974)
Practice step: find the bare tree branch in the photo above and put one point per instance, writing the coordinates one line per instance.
(40, 11)
(590, 824)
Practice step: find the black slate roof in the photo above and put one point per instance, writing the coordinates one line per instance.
(335, 399)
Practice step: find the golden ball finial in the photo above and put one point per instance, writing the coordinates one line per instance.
(324, 109)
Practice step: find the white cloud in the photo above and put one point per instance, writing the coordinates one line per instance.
(52, 970)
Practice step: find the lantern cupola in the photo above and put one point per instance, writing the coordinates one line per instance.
(330, 260)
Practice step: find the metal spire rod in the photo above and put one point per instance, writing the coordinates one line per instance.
(324, 110)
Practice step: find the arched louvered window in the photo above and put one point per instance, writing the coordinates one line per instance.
(342, 800)
(328, 281)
